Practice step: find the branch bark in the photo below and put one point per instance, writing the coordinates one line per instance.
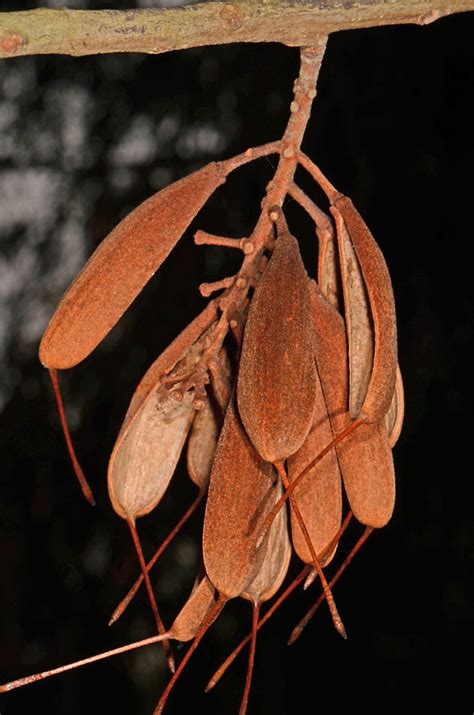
(295, 23)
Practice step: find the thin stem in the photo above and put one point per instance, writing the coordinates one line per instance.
(331, 192)
(230, 659)
(125, 602)
(206, 289)
(321, 219)
(328, 550)
(253, 644)
(208, 621)
(203, 238)
(79, 663)
(304, 621)
(86, 490)
(304, 574)
(151, 595)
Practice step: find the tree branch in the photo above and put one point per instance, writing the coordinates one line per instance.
(292, 22)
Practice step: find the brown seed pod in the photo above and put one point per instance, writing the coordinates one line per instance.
(185, 345)
(365, 457)
(122, 265)
(381, 385)
(329, 287)
(267, 582)
(273, 570)
(277, 377)
(187, 622)
(319, 495)
(126, 260)
(371, 265)
(241, 492)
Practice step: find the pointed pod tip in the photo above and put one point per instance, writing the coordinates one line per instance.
(113, 618)
(341, 629)
(295, 634)
(310, 579)
(89, 496)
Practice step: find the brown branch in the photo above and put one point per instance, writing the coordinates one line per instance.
(292, 22)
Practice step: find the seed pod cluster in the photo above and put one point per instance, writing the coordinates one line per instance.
(284, 393)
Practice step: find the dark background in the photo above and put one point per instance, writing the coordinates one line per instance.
(392, 128)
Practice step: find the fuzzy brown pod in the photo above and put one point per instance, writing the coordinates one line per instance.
(122, 265)
(277, 376)
(189, 619)
(359, 328)
(381, 385)
(241, 493)
(126, 260)
(355, 239)
(365, 457)
(319, 495)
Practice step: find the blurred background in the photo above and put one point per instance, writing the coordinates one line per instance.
(85, 140)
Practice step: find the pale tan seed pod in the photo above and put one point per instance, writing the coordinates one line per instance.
(145, 456)
(359, 327)
(275, 564)
(202, 444)
(155, 427)
(394, 417)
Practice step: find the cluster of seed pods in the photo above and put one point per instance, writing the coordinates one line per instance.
(284, 392)
(284, 389)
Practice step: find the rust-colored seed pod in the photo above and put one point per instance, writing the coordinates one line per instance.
(365, 457)
(277, 376)
(373, 402)
(121, 266)
(319, 496)
(241, 493)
